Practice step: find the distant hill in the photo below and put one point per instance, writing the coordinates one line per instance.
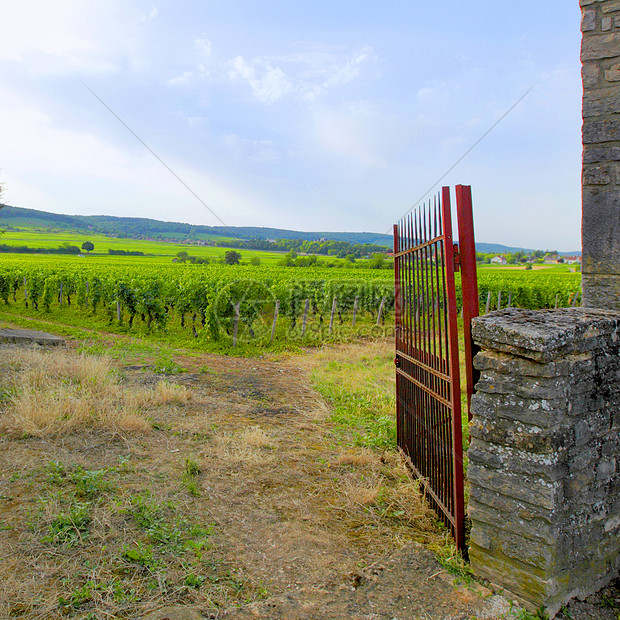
(138, 227)
(134, 227)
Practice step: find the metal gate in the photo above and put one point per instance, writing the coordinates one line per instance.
(428, 392)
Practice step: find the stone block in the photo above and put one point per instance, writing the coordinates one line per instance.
(548, 466)
(600, 102)
(511, 365)
(601, 290)
(613, 73)
(515, 433)
(542, 413)
(588, 20)
(492, 500)
(590, 74)
(606, 24)
(598, 131)
(611, 6)
(542, 335)
(599, 46)
(599, 174)
(539, 388)
(537, 530)
(606, 470)
(595, 154)
(592, 427)
(524, 550)
(521, 580)
(527, 489)
(29, 336)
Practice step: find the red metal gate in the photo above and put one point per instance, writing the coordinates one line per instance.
(428, 393)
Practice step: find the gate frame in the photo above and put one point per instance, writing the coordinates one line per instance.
(454, 259)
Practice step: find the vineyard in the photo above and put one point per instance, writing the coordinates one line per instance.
(229, 304)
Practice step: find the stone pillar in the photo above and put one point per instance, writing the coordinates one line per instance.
(600, 55)
(544, 453)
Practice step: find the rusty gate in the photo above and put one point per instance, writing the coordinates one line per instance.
(428, 392)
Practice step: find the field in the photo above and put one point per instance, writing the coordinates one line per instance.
(214, 306)
(163, 250)
(141, 469)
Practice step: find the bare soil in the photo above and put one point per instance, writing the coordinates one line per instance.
(295, 528)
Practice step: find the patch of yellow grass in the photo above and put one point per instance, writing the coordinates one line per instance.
(164, 393)
(56, 392)
(252, 446)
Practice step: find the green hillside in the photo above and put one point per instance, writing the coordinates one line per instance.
(141, 228)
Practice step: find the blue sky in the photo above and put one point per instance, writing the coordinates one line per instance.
(306, 115)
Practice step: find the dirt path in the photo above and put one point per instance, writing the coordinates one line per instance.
(281, 496)
(297, 527)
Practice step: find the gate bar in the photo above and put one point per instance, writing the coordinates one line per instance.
(455, 384)
(469, 283)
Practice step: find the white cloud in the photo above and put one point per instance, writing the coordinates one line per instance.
(268, 84)
(202, 64)
(67, 36)
(182, 80)
(306, 75)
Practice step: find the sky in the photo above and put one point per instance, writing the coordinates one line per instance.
(308, 115)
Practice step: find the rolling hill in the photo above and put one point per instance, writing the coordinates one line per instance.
(143, 228)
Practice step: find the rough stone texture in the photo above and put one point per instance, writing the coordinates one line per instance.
(600, 55)
(29, 336)
(545, 453)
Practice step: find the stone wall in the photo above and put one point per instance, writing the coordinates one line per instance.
(600, 55)
(544, 453)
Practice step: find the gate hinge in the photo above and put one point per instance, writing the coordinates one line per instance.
(457, 257)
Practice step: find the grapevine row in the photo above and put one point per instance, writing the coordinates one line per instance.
(206, 298)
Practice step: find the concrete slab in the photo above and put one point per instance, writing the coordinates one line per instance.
(29, 336)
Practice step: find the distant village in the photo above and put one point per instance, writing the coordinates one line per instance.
(538, 257)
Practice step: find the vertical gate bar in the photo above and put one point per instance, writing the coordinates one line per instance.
(416, 280)
(440, 308)
(457, 443)
(443, 292)
(427, 335)
(433, 333)
(407, 301)
(469, 283)
(397, 293)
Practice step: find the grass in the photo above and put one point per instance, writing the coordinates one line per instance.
(358, 382)
(57, 392)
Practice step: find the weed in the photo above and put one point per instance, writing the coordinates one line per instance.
(190, 473)
(70, 527)
(453, 562)
(193, 581)
(191, 468)
(165, 365)
(89, 483)
(78, 597)
(140, 555)
(56, 472)
(609, 602)
(524, 614)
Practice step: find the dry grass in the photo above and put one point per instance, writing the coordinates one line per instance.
(275, 486)
(381, 488)
(249, 446)
(56, 392)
